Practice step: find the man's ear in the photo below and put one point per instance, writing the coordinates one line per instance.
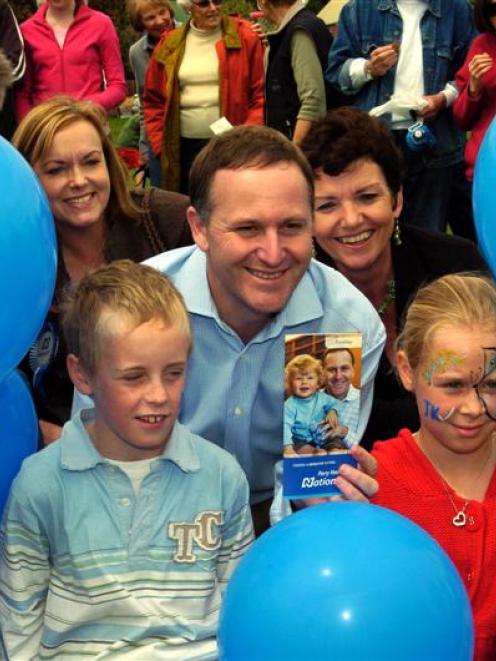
(198, 228)
(405, 371)
(78, 375)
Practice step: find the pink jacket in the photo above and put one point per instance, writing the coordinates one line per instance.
(90, 55)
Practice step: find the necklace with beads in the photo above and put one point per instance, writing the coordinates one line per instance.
(460, 518)
(389, 298)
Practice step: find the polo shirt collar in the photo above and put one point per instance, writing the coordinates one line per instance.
(77, 452)
(303, 305)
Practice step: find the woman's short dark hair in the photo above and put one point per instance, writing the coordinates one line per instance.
(347, 135)
(481, 19)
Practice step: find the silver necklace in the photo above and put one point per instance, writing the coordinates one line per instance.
(460, 518)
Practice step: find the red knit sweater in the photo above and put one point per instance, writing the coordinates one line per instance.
(409, 484)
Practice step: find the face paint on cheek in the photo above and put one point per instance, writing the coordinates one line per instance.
(440, 362)
(434, 412)
(476, 375)
(489, 359)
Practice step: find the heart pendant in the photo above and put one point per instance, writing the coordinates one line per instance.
(459, 520)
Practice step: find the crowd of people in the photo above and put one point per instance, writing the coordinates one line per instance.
(300, 185)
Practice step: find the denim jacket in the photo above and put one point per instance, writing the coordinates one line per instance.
(446, 29)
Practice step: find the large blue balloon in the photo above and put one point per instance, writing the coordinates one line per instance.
(27, 257)
(484, 197)
(18, 430)
(346, 582)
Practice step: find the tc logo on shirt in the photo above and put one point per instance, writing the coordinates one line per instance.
(201, 532)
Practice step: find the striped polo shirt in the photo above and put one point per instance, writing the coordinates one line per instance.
(89, 569)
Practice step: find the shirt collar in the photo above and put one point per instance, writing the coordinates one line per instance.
(77, 452)
(434, 6)
(303, 305)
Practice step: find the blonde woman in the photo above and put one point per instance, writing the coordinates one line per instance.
(97, 220)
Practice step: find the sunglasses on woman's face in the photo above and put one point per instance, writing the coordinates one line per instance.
(203, 4)
(491, 10)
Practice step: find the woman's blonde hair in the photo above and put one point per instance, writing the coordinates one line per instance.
(462, 299)
(300, 363)
(35, 134)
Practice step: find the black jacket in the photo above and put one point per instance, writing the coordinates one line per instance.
(282, 103)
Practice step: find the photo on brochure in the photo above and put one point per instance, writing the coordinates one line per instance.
(321, 410)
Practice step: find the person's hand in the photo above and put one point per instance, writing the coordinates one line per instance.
(49, 431)
(381, 59)
(356, 484)
(257, 27)
(478, 66)
(435, 103)
(140, 174)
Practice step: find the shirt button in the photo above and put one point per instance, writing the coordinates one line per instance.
(471, 521)
(125, 502)
(470, 576)
(238, 410)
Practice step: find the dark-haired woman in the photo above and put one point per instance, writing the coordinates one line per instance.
(358, 200)
(476, 104)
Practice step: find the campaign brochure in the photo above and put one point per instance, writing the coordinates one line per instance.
(321, 410)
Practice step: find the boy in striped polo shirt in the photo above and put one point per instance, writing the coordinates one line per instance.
(118, 539)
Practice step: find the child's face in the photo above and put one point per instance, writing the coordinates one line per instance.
(305, 383)
(137, 389)
(452, 412)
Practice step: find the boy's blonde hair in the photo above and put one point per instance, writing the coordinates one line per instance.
(132, 291)
(462, 299)
(299, 364)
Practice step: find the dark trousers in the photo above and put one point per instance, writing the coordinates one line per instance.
(189, 148)
(260, 516)
(426, 191)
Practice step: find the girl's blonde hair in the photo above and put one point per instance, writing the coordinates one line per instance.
(35, 134)
(298, 364)
(462, 299)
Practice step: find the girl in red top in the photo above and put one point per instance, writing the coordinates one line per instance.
(476, 105)
(443, 476)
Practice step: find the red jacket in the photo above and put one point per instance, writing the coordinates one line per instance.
(476, 113)
(409, 484)
(241, 76)
(91, 51)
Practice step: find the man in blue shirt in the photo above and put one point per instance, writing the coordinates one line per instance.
(247, 283)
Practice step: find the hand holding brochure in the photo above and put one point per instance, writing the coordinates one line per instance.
(321, 410)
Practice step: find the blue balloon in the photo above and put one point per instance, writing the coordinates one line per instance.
(28, 257)
(484, 197)
(346, 582)
(18, 430)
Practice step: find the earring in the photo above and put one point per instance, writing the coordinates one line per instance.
(397, 233)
